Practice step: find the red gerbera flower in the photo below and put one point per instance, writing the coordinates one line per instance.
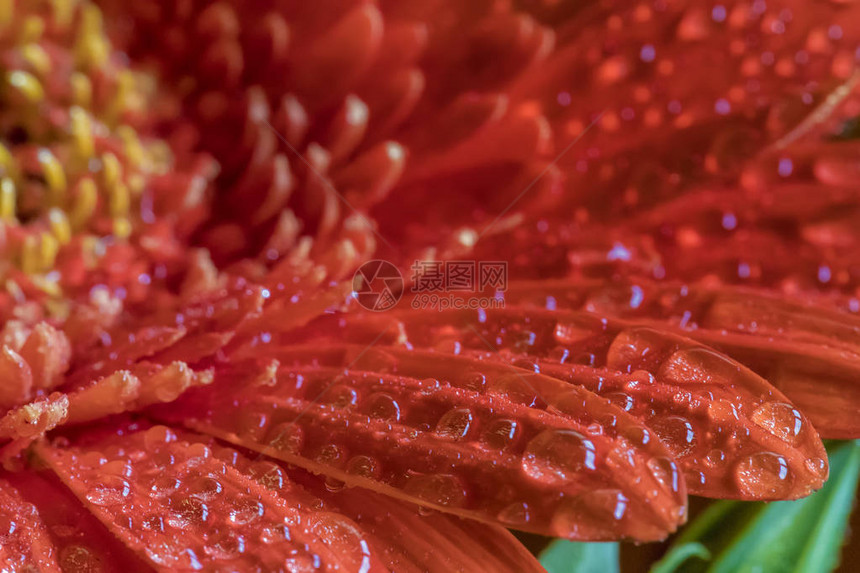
(188, 187)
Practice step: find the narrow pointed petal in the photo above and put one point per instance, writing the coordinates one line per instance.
(254, 513)
(716, 416)
(806, 349)
(454, 434)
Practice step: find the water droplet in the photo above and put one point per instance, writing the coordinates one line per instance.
(227, 546)
(271, 476)
(364, 466)
(383, 407)
(636, 349)
(164, 485)
(341, 396)
(80, 559)
(188, 511)
(715, 457)
(620, 399)
(501, 434)
(516, 514)
(780, 419)
(275, 534)
(331, 455)
(333, 484)
(817, 466)
(153, 522)
(287, 437)
(571, 333)
(158, 436)
(676, 433)
(439, 489)
(665, 471)
(455, 424)
(117, 468)
(515, 388)
(699, 365)
(475, 381)
(344, 538)
(92, 460)
(253, 424)
(205, 488)
(197, 453)
(556, 456)
(111, 490)
(764, 475)
(245, 510)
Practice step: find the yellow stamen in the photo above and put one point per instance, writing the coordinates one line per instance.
(60, 226)
(48, 249)
(82, 133)
(7, 13)
(91, 47)
(32, 29)
(82, 90)
(38, 58)
(134, 152)
(64, 11)
(7, 200)
(122, 228)
(26, 84)
(122, 99)
(54, 174)
(111, 170)
(85, 203)
(119, 200)
(30, 254)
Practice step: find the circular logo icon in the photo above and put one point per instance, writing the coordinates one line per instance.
(377, 285)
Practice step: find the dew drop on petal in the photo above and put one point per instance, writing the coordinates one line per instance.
(439, 489)
(79, 559)
(763, 475)
(245, 510)
(515, 388)
(557, 456)
(110, 490)
(500, 434)
(715, 457)
(817, 467)
(780, 419)
(345, 539)
(205, 488)
(226, 546)
(340, 396)
(665, 471)
(620, 399)
(364, 466)
(699, 365)
(515, 514)
(158, 436)
(455, 424)
(275, 534)
(676, 433)
(382, 407)
(188, 510)
(568, 334)
(288, 438)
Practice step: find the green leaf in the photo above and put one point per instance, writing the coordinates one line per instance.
(563, 556)
(673, 560)
(803, 536)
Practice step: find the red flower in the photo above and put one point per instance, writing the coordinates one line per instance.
(187, 383)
